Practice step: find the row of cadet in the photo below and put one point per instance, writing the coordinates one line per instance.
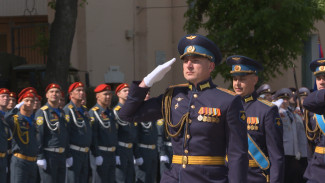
(60, 142)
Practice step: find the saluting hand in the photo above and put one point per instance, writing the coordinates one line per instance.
(158, 73)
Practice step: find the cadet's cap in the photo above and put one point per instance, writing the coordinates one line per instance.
(318, 66)
(4, 91)
(102, 87)
(25, 93)
(12, 94)
(264, 88)
(303, 91)
(38, 97)
(52, 85)
(283, 93)
(120, 87)
(195, 44)
(30, 89)
(75, 85)
(242, 65)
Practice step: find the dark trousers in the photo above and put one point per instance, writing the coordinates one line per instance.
(78, 172)
(3, 167)
(125, 171)
(22, 171)
(147, 172)
(106, 172)
(256, 175)
(55, 169)
(294, 169)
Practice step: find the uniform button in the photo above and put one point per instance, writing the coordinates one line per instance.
(195, 95)
(193, 106)
(188, 136)
(186, 151)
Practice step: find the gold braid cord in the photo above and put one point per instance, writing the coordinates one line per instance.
(166, 106)
(308, 130)
(19, 132)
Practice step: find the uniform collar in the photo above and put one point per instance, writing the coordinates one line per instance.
(251, 97)
(100, 107)
(202, 85)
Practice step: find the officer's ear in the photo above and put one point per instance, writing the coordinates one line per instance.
(255, 79)
(211, 66)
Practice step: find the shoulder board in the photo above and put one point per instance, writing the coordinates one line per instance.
(265, 102)
(44, 107)
(84, 106)
(227, 91)
(179, 85)
(95, 108)
(117, 108)
(70, 106)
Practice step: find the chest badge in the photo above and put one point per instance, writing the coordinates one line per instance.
(179, 99)
(176, 106)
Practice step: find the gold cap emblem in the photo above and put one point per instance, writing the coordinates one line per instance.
(321, 61)
(191, 37)
(237, 68)
(236, 58)
(322, 68)
(190, 49)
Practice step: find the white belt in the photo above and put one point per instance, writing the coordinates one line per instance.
(127, 145)
(110, 149)
(148, 146)
(168, 143)
(54, 149)
(77, 148)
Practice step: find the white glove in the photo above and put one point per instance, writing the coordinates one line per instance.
(99, 160)
(19, 105)
(138, 161)
(158, 73)
(278, 102)
(118, 161)
(41, 163)
(298, 156)
(69, 162)
(164, 159)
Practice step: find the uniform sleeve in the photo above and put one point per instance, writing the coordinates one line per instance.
(94, 129)
(9, 120)
(39, 117)
(274, 144)
(160, 140)
(136, 150)
(136, 109)
(237, 144)
(68, 119)
(315, 102)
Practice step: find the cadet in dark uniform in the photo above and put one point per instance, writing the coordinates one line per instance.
(4, 133)
(315, 103)
(79, 135)
(205, 122)
(126, 138)
(12, 101)
(165, 149)
(264, 126)
(23, 166)
(104, 136)
(147, 148)
(53, 137)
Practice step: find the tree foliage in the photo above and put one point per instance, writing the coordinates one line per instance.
(271, 32)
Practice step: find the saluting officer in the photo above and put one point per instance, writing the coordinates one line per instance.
(79, 130)
(264, 92)
(294, 139)
(23, 166)
(205, 122)
(53, 137)
(126, 138)
(147, 149)
(165, 149)
(315, 128)
(264, 126)
(104, 136)
(4, 133)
